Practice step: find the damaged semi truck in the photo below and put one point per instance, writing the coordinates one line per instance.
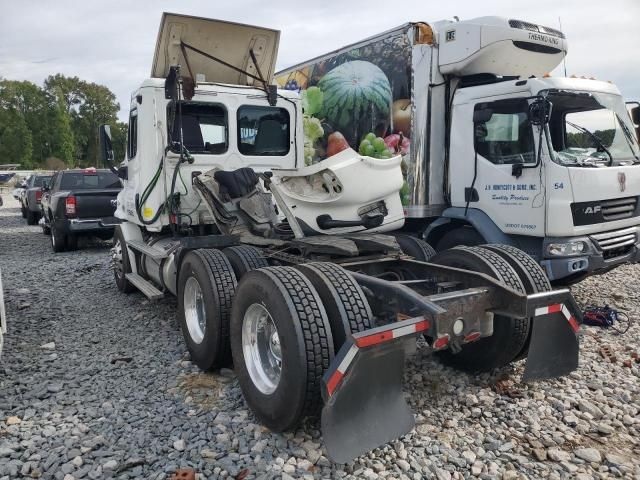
(494, 149)
(285, 270)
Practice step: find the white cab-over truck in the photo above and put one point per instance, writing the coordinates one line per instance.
(495, 150)
(284, 270)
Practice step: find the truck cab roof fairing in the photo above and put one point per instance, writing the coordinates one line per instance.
(230, 42)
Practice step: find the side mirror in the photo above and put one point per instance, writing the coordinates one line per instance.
(106, 144)
(482, 116)
(540, 111)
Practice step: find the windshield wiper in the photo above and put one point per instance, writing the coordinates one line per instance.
(595, 137)
(628, 137)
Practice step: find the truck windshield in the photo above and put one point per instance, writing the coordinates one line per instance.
(589, 129)
(39, 181)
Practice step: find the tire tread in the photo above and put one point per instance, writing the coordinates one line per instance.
(316, 333)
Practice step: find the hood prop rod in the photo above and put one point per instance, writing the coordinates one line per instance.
(270, 90)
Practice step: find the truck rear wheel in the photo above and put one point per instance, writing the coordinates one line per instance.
(531, 273)
(206, 286)
(416, 247)
(343, 299)
(282, 345)
(509, 334)
(244, 258)
(121, 265)
(58, 240)
(32, 217)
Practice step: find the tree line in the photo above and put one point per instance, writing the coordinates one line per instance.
(56, 126)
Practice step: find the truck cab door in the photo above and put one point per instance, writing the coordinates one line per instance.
(492, 168)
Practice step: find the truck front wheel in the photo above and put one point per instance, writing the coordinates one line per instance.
(510, 335)
(466, 236)
(206, 286)
(121, 265)
(282, 345)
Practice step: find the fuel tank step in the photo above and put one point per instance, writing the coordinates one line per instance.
(148, 250)
(147, 289)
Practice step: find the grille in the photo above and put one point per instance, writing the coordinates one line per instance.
(616, 243)
(532, 27)
(619, 208)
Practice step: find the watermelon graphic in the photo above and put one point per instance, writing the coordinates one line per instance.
(357, 96)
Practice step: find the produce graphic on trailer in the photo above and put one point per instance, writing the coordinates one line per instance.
(358, 99)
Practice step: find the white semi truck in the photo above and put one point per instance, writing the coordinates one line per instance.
(313, 306)
(495, 149)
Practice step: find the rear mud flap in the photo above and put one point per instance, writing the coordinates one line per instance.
(553, 350)
(365, 406)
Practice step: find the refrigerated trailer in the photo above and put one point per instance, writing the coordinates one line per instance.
(284, 270)
(495, 150)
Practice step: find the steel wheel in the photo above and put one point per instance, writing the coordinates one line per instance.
(116, 256)
(194, 313)
(261, 348)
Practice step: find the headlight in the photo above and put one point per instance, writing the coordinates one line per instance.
(565, 249)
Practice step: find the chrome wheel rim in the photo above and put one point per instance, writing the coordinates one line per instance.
(194, 313)
(118, 266)
(261, 348)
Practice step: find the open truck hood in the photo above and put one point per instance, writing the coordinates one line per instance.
(230, 42)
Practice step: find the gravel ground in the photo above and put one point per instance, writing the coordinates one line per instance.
(97, 384)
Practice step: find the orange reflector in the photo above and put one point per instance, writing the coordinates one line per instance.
(423, 34)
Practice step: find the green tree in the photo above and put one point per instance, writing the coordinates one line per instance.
(29, 102)
(15, 139)
(98, 107)
(119, 140)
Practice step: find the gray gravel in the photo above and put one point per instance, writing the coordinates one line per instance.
(97, 384)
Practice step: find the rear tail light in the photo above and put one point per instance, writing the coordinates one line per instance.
(70, 206)
(38, 195)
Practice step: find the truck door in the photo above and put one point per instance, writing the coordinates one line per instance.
(500, 177)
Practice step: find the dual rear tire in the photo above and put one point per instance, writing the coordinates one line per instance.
(281, 326)
(510, 339)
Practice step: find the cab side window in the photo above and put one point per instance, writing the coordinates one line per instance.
(506, 136)
(263, 131)
(132, 136)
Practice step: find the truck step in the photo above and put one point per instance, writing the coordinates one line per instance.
(147, 289)
(148, 250)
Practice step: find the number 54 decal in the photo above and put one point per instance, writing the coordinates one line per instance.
(558, 186)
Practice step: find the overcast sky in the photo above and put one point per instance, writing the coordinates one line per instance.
(112, 42)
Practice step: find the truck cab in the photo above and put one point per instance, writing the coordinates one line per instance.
(224, 117)
(565, 190)
(223, 126)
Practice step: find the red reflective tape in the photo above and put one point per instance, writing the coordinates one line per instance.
(374, 339)
(555, 308)
(333, 382)
(422, 326)
(441, 342)
(472, 337)
(574, 324)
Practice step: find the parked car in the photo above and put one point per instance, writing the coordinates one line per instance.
(79, 202)
(20, 187)
(31, 195)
